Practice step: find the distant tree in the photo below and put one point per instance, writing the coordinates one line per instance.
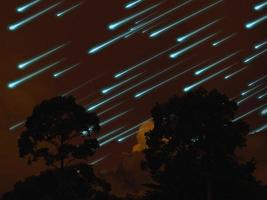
(191, 151)
(80, 184)
(59, 132)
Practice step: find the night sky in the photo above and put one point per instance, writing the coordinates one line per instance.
(226, 37)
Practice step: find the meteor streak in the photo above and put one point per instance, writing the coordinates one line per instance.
(182, 51)
(122, 73)
(101, 103)
(264, 111)
(258, 46)
(117, 24)
(258, 80)
(20, 81)
(12, 128)
(109, 109)
(217, 43)
(262, 96)
(187, 36)
(132, 4)
(110, 133)
(113, 118)
(256, 22)
(109, 89)
(248, 113)
(234, 73)
(179, 21)
(190, 87)
(260, 6)
(248, 91)
(127, 136)
(253, 57)
(62, 13)
(21, 23)
(142, 93)
(29, 62)
(260, 129)
(58, 74)
(248, 97)
(204, 69)
(98, 160)
(27, 5)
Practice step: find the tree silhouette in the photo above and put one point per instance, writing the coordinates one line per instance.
(59, 132)
(191, 150)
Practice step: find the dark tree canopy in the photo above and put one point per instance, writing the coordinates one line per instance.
(53, 132)
(191, 150)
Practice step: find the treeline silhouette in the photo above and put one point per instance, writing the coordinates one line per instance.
(190, 152)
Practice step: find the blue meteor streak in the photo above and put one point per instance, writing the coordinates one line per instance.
(18, 82)
(256, 22)
(260, 6)
(190, 87)
(262, 96)
(37, 58)
(260, 129)
(235, 73)
(217, 43)
(248, 113)
(258, 46)
(127, 137)
(110, 133)
(62, 13)
(118, 24)
(204, 69)
(251, 95)
(113, 118)
(122, 73)
(253, 57)
(182, 51)
(93, 107)
(132, 4)
(164, 29)
(187, 36)
(21, 23)
(58, 74)
(142, 93)
(249, 90)
(28, 5)
(109, 89)
(264, 111)
(258, 80)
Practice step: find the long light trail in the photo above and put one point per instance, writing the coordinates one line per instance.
(235, 73)
(262, 96)
(122, 139)
(99, 160)
(31, 61)
(204, 69)
(58, 74)
(249, 113)
(110, 133)
(133, 4)
(162, 15)
(64, 12)
(119, 23)
(258, 80)
(109, 109)
(179, 21)
(146, 91)
(113, 87)
(259, 130)
(188, 48)
(189, 35)
(27, 6)
(255, 22)
(260, 45)
(16, 126)
(145, 18)
(192, 86)
(121, 134)
(253, 57)
(113, 118)
(124, 72)
(25, 21)
(101, 103)
(217, 43)
(251, 95)
(16, 83)
(244, 93)
(260, 6)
